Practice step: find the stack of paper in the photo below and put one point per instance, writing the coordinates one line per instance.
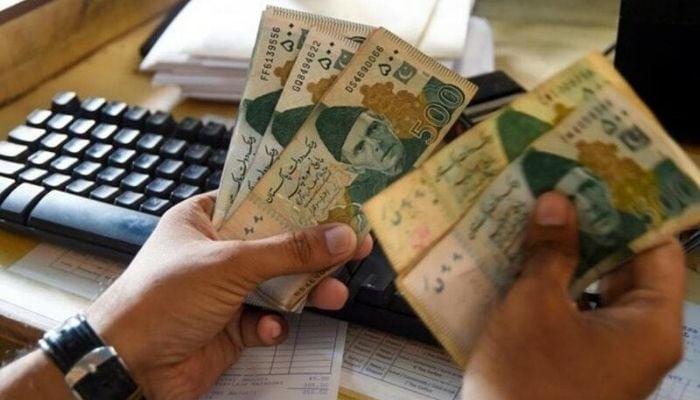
(206, 49)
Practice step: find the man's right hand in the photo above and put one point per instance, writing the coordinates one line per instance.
(539, 345)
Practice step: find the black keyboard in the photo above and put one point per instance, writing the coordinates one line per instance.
(98, 174)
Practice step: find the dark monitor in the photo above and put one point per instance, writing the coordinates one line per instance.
(657, 44)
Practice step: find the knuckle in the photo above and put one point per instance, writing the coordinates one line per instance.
(300, 247)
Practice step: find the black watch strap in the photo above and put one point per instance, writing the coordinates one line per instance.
(92, 369)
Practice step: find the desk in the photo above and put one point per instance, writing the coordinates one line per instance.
(533, 39)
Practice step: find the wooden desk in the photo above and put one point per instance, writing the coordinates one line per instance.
(533, 39)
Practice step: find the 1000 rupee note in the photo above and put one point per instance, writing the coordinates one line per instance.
(280, 37)
(384, 114)
(415, 211)
(321, 59)
(632, 187)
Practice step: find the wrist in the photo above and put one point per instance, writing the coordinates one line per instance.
(33, 376)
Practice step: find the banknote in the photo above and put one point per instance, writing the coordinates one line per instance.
(280, 37)
(321, 59)
(447, 184)
(385, 113)
(632, 187)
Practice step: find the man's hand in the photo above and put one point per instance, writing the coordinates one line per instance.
(539, 345)
(176, 315)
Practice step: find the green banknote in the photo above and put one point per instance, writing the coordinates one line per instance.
(632, 187)
(385, 113)
(280, 38)
(323, 56)
(414, 212)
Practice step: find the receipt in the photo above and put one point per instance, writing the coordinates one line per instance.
(683, 382)
(306, 366)
(381, 366)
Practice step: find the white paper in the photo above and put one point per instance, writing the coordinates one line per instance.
(306, 366)
(383, 366)
(76, 272)
(446, 33)
(683, 382)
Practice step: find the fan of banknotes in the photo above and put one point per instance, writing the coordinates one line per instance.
(338, 123)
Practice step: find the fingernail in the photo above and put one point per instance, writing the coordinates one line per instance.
(276, 330)
(339, 239)
(551, 210)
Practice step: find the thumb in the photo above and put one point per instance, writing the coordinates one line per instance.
(551, 244)
(308, 250)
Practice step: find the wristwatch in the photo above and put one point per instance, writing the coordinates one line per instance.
(92, 369)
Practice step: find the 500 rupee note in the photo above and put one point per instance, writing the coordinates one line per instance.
(280, 37)
(384, 114)
(322, 58)
(632, 187)
(414, 212)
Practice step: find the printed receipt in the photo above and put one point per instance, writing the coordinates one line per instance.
(683, 382)
(306, 366)
(76, 272)
(378, 365)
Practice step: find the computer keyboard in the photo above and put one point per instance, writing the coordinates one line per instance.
(98, 174)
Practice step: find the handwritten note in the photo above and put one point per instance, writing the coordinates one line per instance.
(381, 366)
(76, 272)
(306, 366)
(683, 382)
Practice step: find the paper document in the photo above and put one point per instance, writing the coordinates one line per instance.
(306, 366)
(683, 382)
(76, 272)
(381, 366)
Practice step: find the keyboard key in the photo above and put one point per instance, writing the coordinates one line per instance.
(98, 152)
(126, 137)
(213, 181)
(121, 157)
(195, 174)
(91, 221)
(135, 181)
(33, 175)
(10, 169)
(55, 181)
(41, 158)
(63, 164)
(75, 147)
(13, 151)
(217, 159)
(38, 118)
(81, 127)
(113, 111)
(135, 117)
(105, 193)
(155, 206)
(26, 135)
(149, 143)
(20, 201)
(146, 163)
(212, 133)
(87, 170)
(111, 176)
(398, 304)
(173, 148)
(90, 107)
(104, 133)
(80, 187)
(65, 102)
(53, 141)
(170, 169)
(6, 186)
(197, 154)
(59, 122)
(226, 139)
(160, 122)
(129, 200)
(187, 129)
(160, 187)
(182, 192)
